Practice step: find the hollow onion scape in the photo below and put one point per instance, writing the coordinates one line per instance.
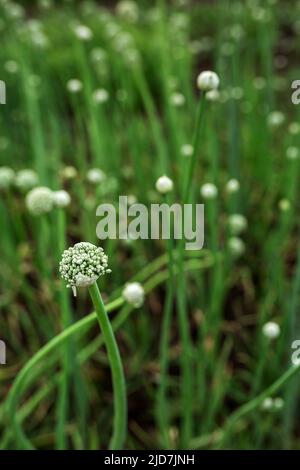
(206, 81)
(81, 266)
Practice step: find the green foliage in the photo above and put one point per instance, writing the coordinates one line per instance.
(204, 311)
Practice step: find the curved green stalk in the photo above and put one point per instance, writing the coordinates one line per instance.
(221, 435)
(119, 387)
(21, 378)
(62, 407)
(186, 357)
(256, 402)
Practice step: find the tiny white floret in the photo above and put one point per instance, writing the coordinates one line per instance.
(187, 150)
(61, 198)
(284, 205)
(134, 294)
(294, 128)
(292, 153)
(271, 330)
(69, 172)
(177, 99)
(276, 119)
(7, 176)
(128, 10)
(26, 179)
(267, 404)
(39, 200)
(208, 81)
(278, 403)
(213, 95)
(82, 265)
(95, 176)
(74, 85)
(209, 191)
(164, 184)
(237, 223)
(232, 186)
(84, 33)
(11, 66)
(236, 246)
(100, 96)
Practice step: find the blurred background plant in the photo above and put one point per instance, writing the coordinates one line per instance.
(102, 101)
